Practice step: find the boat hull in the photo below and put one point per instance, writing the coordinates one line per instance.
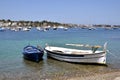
(33, 56)
(98, 58)
(32, 53)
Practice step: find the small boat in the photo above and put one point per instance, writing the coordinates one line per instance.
(2, 29)
(26, 29)
(33, 53)
(76, 55)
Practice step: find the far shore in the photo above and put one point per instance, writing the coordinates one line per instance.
(46, 25)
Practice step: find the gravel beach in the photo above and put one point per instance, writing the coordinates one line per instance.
(104, 76)
(111, 75)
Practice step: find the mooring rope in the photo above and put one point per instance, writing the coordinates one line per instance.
(113, 54)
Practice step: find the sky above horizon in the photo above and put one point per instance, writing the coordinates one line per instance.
(64, 11)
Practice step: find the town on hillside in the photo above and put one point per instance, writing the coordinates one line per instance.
(46, 25)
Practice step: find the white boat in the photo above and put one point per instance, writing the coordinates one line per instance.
(38, 28)
(2, 29)
(76, 55)
(26, 29)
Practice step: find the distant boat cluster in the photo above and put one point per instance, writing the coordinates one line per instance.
(18, 28)
(46, 25)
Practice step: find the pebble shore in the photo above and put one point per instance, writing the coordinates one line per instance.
(110, 75)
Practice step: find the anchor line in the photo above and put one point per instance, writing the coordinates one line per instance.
(113, 54)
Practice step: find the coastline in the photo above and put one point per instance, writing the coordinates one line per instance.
(103, 76)
(109, 75)
(46, 25)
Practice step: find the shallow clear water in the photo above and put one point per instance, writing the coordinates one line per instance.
(12, 43)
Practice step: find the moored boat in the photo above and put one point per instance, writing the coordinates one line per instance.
(76, 55)
(2, 29)
(33, 53)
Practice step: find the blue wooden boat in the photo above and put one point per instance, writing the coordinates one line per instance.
(33, 53)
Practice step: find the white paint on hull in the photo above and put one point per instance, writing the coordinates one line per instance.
(86, 55)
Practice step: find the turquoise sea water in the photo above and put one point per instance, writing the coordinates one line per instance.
(12, 43)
